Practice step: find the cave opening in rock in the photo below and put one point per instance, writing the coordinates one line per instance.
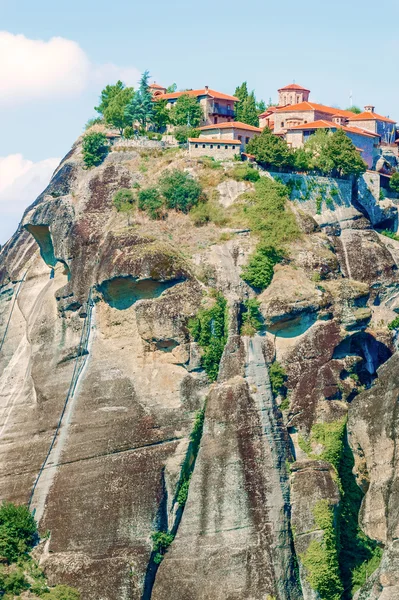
(293, 326)
(371, 352)
(42, 235)
(122, 292)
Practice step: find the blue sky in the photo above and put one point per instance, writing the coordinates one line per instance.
(48, 90)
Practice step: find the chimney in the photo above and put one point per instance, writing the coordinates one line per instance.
(206, 88)
(369, 108)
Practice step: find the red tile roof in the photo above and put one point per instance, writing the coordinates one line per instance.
(307, 106)
(322, 124)
(269, 111)
(231, 125)
(214, 141)
(156, 86)
(370, 116)
(203, 92)
(293, 86)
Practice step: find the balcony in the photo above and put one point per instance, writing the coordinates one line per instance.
(217, 109)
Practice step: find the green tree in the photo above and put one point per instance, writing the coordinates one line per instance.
(270, 150)
(18, 532)
(95, 148)
(354, 109)
(242, 94)
(180, 190)
(114, 114)
(171, 89)
(186, 111)
(302, 159)
(123, 199)
(183, 132)
(107, 95)
(249, 112)
(260, 107)
(141, 106)
(150, 200)
(161, 116)
(344, 157)
(394, 183)
(316, 150)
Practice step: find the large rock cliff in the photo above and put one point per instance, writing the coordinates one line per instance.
(101, 388)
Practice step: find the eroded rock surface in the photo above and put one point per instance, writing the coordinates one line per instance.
(95, 310)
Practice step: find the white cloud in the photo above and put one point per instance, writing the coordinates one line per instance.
(37, 69)
(21, 181)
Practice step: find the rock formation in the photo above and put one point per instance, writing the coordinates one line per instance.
(101, 385)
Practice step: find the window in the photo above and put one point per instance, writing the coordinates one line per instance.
(234, 147)
(215, 120)
(282, 123)
(203, 145)
(305, 121)
(218, 146)
(211, 146)
(247, 140)
(226, 147)
(240, 138)
(196, 145)
(228, 107)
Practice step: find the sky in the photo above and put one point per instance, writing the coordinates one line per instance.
(55, 57)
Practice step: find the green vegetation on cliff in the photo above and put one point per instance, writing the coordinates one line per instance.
(252, 320)
(209, 328)
(18, 571)
(321, 557)
(95, 148)
(267, 212)
(192, 453)
(278, 377)
(358, 556)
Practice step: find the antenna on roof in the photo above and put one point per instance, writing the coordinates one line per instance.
(350, 99)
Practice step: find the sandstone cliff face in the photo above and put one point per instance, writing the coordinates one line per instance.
(101, 382)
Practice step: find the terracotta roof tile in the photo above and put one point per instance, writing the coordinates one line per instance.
(196, 93)
(369, 116)
(293, 86)
(322, 124)
(231, 125)
(306, 106)
(156, 86)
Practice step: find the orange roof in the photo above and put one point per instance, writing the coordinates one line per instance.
(322, 124)
(269, 111)
(306, 106)
(370, 116)
(213, 140)
(293, 86)
(203, 92)
(231, 125)
(157, 86)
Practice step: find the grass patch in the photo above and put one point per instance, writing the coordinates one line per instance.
(390, 234)
(268, 215)
(209, 328)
